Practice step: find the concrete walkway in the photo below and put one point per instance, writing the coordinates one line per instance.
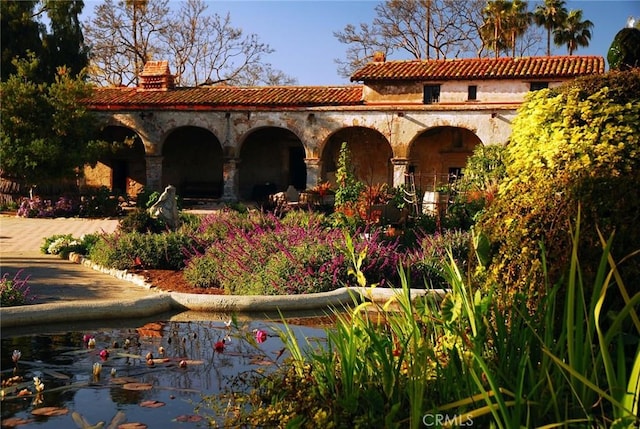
(66, 291)
(51, 278)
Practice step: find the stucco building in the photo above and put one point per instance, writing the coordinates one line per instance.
(236, 143)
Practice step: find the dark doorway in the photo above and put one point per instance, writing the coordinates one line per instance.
(297, 168)
(120, 173)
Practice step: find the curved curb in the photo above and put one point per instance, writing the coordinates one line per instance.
(74, 311)
(41, 314)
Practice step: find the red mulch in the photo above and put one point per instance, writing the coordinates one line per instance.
(173, 281)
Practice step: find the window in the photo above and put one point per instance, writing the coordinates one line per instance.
(536, 86)
(472, 92)
(431, 94)
(455, 174)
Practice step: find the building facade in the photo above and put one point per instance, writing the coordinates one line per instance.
(399, 118)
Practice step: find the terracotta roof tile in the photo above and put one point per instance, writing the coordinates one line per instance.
(481, 68)
(226, 96)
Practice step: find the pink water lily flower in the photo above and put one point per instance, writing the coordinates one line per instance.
(261, 336)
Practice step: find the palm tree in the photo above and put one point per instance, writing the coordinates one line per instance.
(550, 15)
(574, 33)
(517, 22)
(495, 17)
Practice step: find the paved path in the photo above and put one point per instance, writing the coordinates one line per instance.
(52, 279)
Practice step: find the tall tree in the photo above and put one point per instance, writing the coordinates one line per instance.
(64, 44)
(123, 36)
(419, 29)
(624, 52)
(207, 48)
(20, 32)
(495, 21)
(574, 33)
(550, 15)
(200, 47)
(46, 133)
(59, 43)
(517, 23)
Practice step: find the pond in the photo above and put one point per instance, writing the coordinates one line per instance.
(152, 373)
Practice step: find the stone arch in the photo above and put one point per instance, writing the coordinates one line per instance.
(371, 155)
(271, 159)
(122, 171)
(438, 155)
(192, 161)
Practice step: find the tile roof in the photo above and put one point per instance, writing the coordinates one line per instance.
(481, 68)
(220, 97)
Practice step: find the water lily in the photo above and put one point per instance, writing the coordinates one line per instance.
(261, 336)
(38, 384)
(113, 372)
(104, 354)
(91, 343)
(219, 346)
(15, 356)
(183, 364)
(161, 350)
(97, 369)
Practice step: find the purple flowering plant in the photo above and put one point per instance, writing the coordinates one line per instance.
(14, 291)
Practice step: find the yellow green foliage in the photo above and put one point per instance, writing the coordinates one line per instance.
(576, 145)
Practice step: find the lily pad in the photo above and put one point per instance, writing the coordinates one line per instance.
(260, 361)
(132, 425)
(137, 386)
(123, 380)
(13, 422)
(188, 418)
(128, 355)
(152, 404)
(50, 411)
(193, 362)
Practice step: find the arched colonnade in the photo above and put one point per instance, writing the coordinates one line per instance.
(239, 155)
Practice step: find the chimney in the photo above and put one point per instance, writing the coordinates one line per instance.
(379, 57)
(156, 76)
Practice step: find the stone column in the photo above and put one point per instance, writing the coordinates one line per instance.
(230, 179)
(399, 170)
(154, 172)
(313, 171)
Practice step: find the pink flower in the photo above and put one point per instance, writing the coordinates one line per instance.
(219, 346)
(104, 354)
(261, 336)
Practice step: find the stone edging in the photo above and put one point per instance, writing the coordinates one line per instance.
(161, 302)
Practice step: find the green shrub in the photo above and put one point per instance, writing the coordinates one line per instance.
(157, 251)
(64, 244)
(139, 220)
(578, 145)
(433, 254)
(99, 203)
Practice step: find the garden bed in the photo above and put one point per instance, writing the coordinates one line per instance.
(173, 281)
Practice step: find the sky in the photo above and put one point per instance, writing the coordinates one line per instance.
(301, 31)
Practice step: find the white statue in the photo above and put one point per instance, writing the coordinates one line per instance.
(166, 208)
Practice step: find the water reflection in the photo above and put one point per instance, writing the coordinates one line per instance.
(156, 372)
